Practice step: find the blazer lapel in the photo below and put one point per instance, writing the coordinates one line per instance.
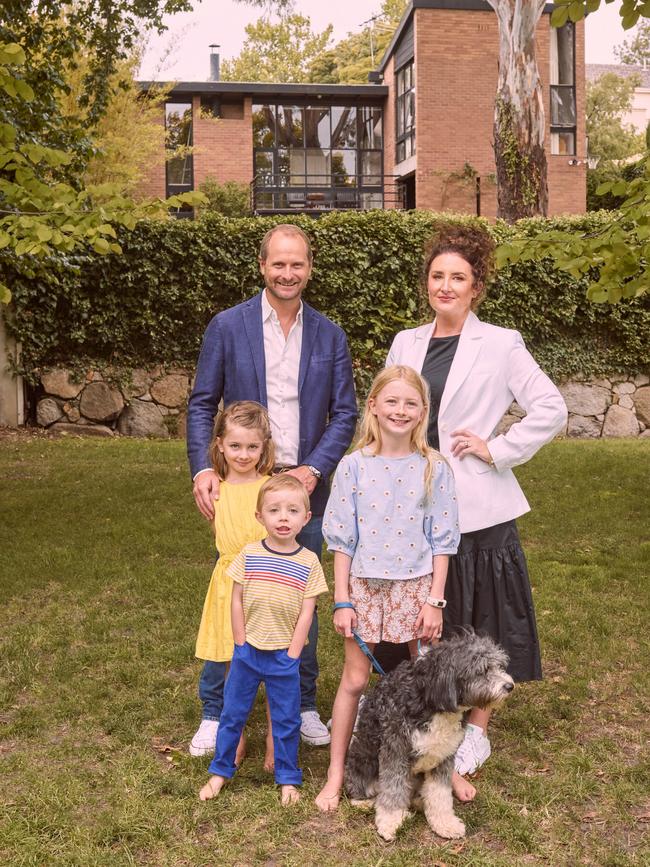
(310, 325)
(255, 335)
(468, 348)
(421, 338)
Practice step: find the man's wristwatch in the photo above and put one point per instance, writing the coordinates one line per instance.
(437, 603)
(315, 472)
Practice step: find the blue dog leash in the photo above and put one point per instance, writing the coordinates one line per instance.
(362, 644)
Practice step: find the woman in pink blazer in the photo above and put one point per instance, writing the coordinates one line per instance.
(475, 371)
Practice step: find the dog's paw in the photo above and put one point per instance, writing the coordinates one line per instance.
(362, 803)
(389, 822)
(450, 827)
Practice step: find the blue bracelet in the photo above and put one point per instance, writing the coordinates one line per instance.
(338, 605)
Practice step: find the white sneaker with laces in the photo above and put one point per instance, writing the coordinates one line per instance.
(312, 730)
(474, 750)
(205, 738)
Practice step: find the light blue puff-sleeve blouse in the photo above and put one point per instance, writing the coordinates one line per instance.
(380, 514)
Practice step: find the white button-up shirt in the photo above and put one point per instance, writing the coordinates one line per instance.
(282, 357)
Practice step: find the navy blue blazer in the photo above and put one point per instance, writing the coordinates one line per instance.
(232, 366)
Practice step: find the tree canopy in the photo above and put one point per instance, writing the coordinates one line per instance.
(351, 59)
(636, 51)
(279, 51)
(44, 150)
(608, 98)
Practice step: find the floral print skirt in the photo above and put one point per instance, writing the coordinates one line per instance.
(387, 609)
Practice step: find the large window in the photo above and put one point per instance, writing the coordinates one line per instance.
(563, 91)
(405, 112)
(325, 156)
(178, 126)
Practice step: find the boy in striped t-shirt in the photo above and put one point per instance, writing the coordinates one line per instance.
(276, 583)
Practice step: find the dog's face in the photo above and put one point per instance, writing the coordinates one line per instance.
(466, 671)
(482, 679)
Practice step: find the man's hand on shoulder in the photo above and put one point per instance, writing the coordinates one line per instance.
(206, 490)
(305, 476)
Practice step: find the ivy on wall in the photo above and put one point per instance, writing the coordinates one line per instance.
(152, 303)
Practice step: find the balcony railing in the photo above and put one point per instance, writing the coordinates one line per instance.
(279, 193)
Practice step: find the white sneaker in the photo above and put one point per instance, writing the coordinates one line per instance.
(205, 738)
(473, 751)
(312, 730)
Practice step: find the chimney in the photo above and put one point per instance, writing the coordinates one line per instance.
(214, 63)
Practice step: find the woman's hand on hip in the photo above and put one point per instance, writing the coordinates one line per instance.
(465, 443)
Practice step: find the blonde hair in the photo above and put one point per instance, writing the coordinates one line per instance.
(282, 482)
(248, 414)
(370, 432)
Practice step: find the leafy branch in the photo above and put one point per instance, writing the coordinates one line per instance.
(41, 214)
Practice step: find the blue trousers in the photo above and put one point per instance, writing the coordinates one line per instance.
(213, 675)
(279, 674)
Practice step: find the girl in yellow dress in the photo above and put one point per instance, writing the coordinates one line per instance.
(242, 454)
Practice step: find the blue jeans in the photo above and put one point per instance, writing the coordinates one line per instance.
(279, 674)
(213, 675)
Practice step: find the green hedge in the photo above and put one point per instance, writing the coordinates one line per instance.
(151, 304)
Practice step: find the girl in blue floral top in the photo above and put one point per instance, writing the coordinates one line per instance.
(392, 523)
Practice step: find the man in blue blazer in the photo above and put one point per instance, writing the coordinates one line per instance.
(279, 351)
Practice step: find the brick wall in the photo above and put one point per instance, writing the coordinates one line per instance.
(456, 72)
(567, 184)
(389, 126)
(153, 184)
(223, 147)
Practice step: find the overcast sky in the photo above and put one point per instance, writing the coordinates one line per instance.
(223, 22)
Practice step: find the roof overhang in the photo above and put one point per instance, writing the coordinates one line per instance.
(370, 92)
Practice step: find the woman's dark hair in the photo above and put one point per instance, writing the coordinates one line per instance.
(473, 243)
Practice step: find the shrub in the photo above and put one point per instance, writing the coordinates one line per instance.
(229, 199)
(152, 304)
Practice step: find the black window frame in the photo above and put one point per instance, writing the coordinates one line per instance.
(404, 135)
(172, 189)
(282, 190)
(558, 96)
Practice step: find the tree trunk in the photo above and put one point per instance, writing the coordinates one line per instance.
(519, 122)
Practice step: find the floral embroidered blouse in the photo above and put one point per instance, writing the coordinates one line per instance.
(380, 514)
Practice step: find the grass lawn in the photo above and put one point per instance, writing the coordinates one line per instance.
(104, 562)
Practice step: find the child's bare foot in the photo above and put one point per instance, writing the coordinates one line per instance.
(240, 754)
(269, 758)
(212, 788)
(327, 800)
(462, 788)
(289, 795)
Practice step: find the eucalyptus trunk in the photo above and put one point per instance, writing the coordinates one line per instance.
(519, 121)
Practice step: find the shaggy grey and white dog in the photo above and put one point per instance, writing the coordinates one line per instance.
(411, 725)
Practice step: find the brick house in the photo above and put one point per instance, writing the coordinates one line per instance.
(418, 135)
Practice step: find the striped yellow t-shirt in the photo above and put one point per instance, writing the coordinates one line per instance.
(275, 585)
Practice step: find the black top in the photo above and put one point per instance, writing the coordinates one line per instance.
(437, 363)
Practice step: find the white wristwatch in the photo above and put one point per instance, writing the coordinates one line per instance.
(314, 471)
(437, 603)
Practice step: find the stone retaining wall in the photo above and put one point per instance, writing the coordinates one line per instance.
(154, 404)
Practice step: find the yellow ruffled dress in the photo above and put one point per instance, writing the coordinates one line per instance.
(235, 525)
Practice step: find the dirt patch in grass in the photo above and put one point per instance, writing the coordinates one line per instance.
(23, 434)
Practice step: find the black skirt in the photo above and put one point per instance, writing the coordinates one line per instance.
(488, 588)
